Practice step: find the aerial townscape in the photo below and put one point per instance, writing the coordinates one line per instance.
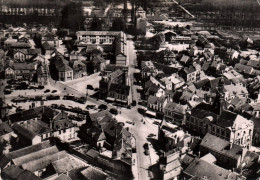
(129, 89)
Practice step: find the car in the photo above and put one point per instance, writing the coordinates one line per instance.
(90, 106)
(54, 91)
(38, 98)
(96, 89)
(90, 87)
(51, 97)
(151, 135)
(113, 111)
(156, 122)
(133, 103)
(67, 97)
(129, 122)
(40, 87)
(46, 91)
(81, 100)
(146, 146)
(7, 91)
(102, 107)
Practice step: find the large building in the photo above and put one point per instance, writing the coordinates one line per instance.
(109, 41)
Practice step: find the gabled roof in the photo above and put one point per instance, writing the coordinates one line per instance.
(202, 169)
(6, 158)
(221, 146)
(16, 173)
(42, 163)
(93, 173)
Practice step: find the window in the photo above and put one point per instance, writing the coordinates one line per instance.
(64, 130)
(218, 131)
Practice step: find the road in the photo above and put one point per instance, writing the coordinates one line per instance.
(139, 130)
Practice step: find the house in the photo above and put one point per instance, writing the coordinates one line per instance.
(79, 69)
(99, 130)
(40, 123)
(175, 113)
(60, 69)
(244, 69)
(204, 170)
(25, 71)
(170, 166)
(228, 155)
(206, 118)
(31, 132)
(51, 39)
(43, 160)
(9, 72)
(190, 74)
(169, 135)
(16, 173)
(235, 90)
(156, 103)
(23, 55)
(94, 173)
(118, 93)
(49, 49)
(148, 69)
(185, 59)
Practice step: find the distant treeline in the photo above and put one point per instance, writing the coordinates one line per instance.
(33, 3)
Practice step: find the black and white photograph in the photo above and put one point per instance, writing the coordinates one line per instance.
(129, 89)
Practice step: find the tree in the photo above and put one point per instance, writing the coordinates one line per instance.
(72, 16)
(118, 25)
(96, 24)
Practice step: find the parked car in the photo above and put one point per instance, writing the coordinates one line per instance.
(7, 91)
(102, 107)
(133, 103)
(46, 91)
(155, 122)
(51, 97)
(54, 91)
(90, 106)
(113, 111)
(81, 100)
(90, 87)
(67, 97)
(96, 89)
(151, 135)
(40, 87)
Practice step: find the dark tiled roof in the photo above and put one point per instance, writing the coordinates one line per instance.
(201, 169)
(93, 173)
(221, 146)
(4, 159)
(16, 173)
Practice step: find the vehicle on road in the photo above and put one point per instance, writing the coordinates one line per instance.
(133, 103)
(47, 90)
(51, 97)
(90, 106)
(68, 97)
(151, 135)
(129, 122)
(90, 87)
(146, 149)
(156, 123)
(113, 111)
(40, 87)
(54, 91)
(102, 107)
